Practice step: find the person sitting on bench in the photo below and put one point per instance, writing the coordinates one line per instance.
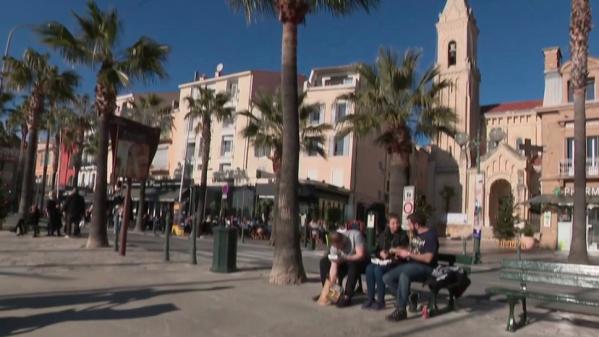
(421, 260)
(347, 256)
(383, 261)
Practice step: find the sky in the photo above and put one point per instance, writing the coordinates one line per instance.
(203, 33)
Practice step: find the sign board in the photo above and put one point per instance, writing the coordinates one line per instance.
(547, 219)
(479, 195)
(408, 205)
(457, 219)
(133, 148)
(370, 221)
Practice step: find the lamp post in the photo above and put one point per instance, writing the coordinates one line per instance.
(7, 49)
(464, 141)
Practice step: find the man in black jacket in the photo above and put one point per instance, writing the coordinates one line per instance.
(75, 210)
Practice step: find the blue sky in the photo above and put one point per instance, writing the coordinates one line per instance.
(203, 33)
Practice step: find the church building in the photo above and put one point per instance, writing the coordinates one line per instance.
(524, 149)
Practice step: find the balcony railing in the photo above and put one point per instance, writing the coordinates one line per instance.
(566, 167)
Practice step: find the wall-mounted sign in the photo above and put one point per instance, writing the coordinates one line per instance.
(408, 205)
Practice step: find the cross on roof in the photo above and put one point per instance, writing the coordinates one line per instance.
(529, 149)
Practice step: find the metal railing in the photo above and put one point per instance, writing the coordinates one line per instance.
(566, 167)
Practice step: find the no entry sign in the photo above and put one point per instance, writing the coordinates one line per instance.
(408, 205)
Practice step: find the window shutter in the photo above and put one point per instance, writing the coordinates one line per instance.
(333, 113)
(346, 145)
(322, 113)
(331, 146)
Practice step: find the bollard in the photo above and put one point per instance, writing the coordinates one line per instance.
(242, 234)
(464, 246)
(313, 244)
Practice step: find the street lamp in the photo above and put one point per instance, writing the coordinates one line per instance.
(7, 49)
(464, 141)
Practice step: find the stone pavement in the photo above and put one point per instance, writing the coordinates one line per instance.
(52, 287)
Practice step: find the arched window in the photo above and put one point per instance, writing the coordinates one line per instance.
(452, 53)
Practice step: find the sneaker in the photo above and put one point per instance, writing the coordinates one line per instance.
(344, 302)
(367, 305)
(377, 306)
(397, 315)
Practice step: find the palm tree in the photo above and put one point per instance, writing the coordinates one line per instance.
(34, 73)
(396, 107)
(287, 264)
(151, 111)
(60, 91)
(5, 97)
(17, 122)
(76, 119)
(580, 26)
(95, 45)
(265, 129)
(205, 107)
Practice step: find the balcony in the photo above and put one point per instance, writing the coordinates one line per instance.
(566, 167)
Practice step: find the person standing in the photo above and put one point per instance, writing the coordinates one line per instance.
(33, 219)
(421, 260)
(75, 211)
(53, 214)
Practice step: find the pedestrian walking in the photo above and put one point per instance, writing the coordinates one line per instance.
(33, 219)
(53, 214)
(75, 212)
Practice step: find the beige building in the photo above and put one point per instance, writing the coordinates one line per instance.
(351, 175)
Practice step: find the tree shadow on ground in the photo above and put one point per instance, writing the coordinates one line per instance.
(102, 306)
(36, 276)
(87, 297)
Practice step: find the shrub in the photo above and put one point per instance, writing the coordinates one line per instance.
(504, 226)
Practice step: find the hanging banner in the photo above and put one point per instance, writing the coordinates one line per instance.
(479, 195)
(133, 148)
(408, 205)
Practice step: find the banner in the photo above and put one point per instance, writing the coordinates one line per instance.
(133, 148)
(479, 195)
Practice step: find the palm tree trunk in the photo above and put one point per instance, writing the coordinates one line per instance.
(55, 162)
(200, 208)
(141, 210)
(105, 104)
(579, 39)
(398, 179)
(20, 163)
(287, 265)
(29, 168)
(45, 174)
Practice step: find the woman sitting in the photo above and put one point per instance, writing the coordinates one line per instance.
(384, 260)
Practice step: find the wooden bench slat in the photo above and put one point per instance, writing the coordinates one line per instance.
(550, 278)
(552, 267)
(563, 298)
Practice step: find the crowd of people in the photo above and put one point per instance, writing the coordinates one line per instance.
(69, 211)
(399, 258)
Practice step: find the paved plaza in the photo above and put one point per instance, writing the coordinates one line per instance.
(53, 287)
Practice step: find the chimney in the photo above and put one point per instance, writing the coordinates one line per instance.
(553, 59)
(196, 76)
(553, 77)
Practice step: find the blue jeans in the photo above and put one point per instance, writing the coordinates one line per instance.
(399, 278)
(374, 278)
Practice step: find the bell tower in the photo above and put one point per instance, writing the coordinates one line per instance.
(457, 38)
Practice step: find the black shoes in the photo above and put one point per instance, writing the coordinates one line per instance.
(344, 301)
(397, 315)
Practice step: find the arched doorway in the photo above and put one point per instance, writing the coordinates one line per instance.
(500, 189)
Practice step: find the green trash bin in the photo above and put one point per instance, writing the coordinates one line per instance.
(224, 250)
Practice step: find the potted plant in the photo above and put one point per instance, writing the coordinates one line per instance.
(527, 241)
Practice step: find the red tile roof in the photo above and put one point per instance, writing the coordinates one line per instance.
(511, 106)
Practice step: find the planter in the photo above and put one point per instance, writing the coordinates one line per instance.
(527, 242)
